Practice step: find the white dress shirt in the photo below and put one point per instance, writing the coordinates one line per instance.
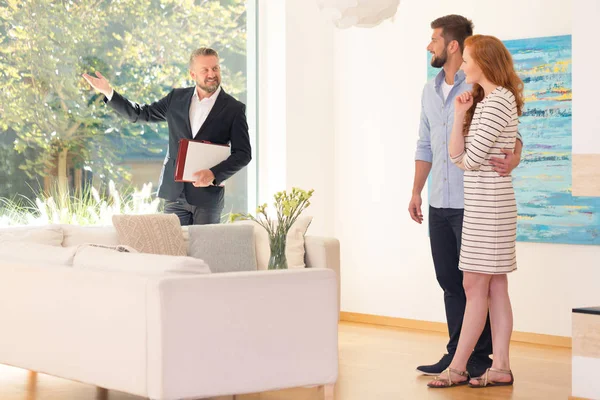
(199, 110)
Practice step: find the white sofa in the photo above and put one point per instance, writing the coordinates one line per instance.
(174, 336)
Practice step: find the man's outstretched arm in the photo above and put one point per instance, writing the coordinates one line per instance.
(134, 112)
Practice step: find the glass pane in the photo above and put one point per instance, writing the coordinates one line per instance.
(56, 133)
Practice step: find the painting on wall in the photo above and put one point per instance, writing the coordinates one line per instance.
(548, 211)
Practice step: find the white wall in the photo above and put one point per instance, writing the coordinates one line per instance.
(586, 118)
(296, 131)
(386, 263)
(271, 136)
(310, 125)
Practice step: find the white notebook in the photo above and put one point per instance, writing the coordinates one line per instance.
(194, 156)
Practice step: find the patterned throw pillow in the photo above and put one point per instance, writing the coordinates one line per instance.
(153, 233)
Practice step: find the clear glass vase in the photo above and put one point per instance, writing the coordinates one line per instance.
(277, 259)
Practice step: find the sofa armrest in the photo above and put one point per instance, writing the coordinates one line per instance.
(324, 252)
(241, 332)
(87, 325)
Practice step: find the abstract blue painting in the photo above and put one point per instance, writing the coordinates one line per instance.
(547, 210)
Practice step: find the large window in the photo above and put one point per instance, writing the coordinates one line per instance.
(57, 136)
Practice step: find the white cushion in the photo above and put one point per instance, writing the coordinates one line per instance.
(108, 259)
(75, 235)
(294, 246)
(46, 234)
(36, 253)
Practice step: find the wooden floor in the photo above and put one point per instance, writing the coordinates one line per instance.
(376, 363)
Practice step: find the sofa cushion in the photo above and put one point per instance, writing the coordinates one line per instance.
(36, 253)
(226, 247)
(294, 247)
(93, 257)
(45, 234)
(106, 235)
(75, 235)
(154, 233)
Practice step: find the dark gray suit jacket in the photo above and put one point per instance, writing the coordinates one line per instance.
(225, 124)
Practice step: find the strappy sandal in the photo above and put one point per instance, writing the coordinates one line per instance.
(484, 381)
(447, 383)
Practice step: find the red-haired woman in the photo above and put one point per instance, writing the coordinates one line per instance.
(485, 123)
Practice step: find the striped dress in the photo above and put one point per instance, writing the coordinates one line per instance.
(490, 221)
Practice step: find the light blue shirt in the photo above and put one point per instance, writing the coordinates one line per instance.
(437, 116)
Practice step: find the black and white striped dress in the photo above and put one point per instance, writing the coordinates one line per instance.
(490, 222)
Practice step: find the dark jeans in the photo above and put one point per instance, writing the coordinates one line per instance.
(192, 215)
(445, 229)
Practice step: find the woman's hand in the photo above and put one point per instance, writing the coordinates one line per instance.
(457, 140)
(462, 103)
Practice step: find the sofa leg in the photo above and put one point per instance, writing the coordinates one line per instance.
(328, 391)
(32, 381)
(101, 393)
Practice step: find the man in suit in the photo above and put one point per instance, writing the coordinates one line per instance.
(203, 112)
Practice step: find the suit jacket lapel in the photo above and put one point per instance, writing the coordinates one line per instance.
(217, 108)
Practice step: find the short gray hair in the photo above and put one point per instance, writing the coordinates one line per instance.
(203, 51)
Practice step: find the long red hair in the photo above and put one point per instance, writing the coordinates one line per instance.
(496, 63)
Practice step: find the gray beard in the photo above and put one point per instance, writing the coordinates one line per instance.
(208, 89)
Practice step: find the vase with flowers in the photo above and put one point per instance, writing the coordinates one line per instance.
(288, 206)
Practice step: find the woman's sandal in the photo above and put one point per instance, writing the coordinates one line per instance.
(483, 380)
(447, 383)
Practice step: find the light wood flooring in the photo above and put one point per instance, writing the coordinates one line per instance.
(376, 363)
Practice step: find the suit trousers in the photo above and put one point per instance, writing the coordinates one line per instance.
(192, 215)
